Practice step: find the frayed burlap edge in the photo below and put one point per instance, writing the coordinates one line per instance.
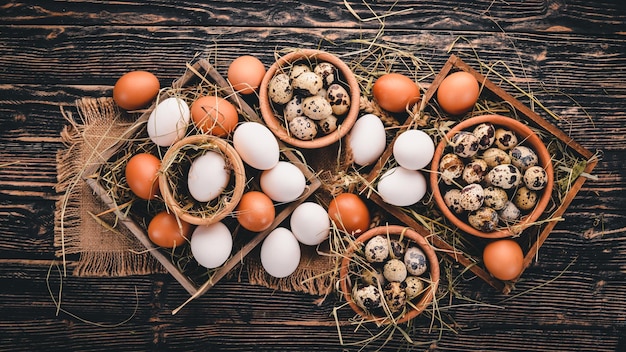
(102, 250)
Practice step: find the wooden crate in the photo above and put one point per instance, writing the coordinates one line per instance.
(202, 71)
(532, 238)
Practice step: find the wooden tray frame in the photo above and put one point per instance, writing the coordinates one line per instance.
(202, 66)
(454, 253)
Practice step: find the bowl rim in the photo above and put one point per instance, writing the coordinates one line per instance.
(275, 125)
(527, 135)
(232, 158)
(391, 230)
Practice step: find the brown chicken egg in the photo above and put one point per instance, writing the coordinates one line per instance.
(245, 73)
(141, 175)
(458, 93)
(395, 92)
(135, 90)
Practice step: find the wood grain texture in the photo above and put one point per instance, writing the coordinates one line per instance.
(570, 54)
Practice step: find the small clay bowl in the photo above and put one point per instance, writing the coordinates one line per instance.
(529, 139)
(278, 127)
(394, 232)
(203, 216)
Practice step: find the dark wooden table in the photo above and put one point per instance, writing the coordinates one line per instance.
(570, 54)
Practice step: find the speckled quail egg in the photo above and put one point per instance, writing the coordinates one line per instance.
(464, 144)
(495, 197)
(298, 69)
(394, 270)
(303, 128)
(338, 98)
(486, 134)
(279, 89)
(483, 219)
(525, 199)
(368, 297)
(452, 198)
(414, 287)
(316, 107)
(373, 276)
(395, 296)
(328, 124)
(536, 178)
(523, 157)
(475, 171)
(377, 249)
(307, 83)
(396, 249)
(505, 176)
(293, 108)
(472, 197)
(327, 71)
(509, 213)
(505, 139)
(451, 168)
(415, 261)
(495, 156)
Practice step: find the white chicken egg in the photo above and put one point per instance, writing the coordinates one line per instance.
(280, 253)
(168, 121)
(402, 187)
(208, 176)
(211, 245)
(310, 223)
(367, 139)
(413, 149)
(285, 182)
(256, 145)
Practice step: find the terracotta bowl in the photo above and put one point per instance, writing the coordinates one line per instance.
(346, 280)
(526, 137)
(202, 214)
(277, 126)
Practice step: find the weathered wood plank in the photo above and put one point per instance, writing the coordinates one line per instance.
(607, 16)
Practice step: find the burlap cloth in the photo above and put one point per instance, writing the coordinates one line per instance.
(106, 249)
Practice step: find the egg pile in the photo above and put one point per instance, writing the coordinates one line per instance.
(310, 97)
(201, 175)
(398, 268)
(490, 177)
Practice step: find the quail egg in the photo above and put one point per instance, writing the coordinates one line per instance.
(472, 197)
(505, 176)
(395, 296)
(327, 71)
(377, 249)
(279, 89)
(368, 297)
(523, 157)
(536, 178)
(307, 83)
(486, 134)
(303, 128)
(505, 139)
(394, 270)
(396, 249)
(338, 98)
(328, 124)
(415, 261)
(483, 219)
(464, 144)
(452, 198)
(451, 168)
(293, 108)
(495, 156)
(316, 107)
(297, 70)
(509, 213)
(373, 276)
(414, 287)
(525, 199)
(475, 171)
(495, 197)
